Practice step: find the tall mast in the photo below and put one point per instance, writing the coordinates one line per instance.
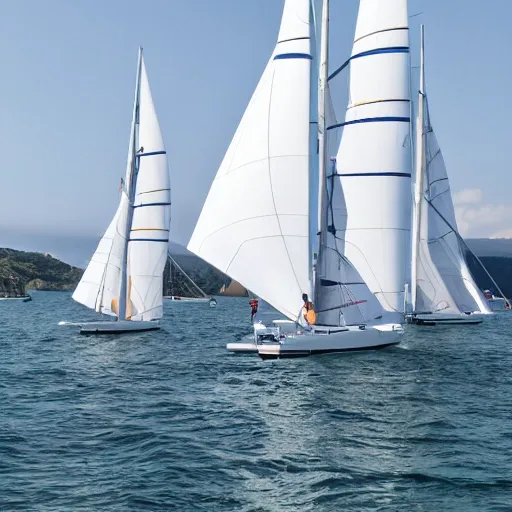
(420, 171)
(130, 191)
(322, 140)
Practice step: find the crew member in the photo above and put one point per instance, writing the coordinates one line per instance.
(308, 310)
(254, 308)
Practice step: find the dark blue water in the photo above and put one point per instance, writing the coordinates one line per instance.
(170, 421)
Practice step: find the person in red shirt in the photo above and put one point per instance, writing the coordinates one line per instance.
(254, 308)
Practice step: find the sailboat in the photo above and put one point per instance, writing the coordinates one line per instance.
(280, 198)
(443, 291)
(233, 289)
(124, 277)
(195, 293)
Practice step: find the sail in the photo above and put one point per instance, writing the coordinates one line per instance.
(374, 159)
(342, 297)
(234, 289)
(99, 287)
(444, 282)
(149, 234)
(254, 225)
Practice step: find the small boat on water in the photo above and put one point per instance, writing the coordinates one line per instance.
(497, 303)
(280, 195)
(23, 298)
(443, 291)
(125, 275)
(187, 284)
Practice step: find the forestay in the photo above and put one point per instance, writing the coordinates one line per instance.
(444, 282)
(374, 160)
(254, 225)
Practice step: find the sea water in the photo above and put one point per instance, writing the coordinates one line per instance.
(169, 420)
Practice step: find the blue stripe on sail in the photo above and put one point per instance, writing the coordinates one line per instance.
(151, 204)
(148, 240)
(152, 153)
(293, 56)
(376, 51)
(397, 174)
(372, 120)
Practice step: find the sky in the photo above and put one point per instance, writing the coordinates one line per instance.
(68, 75)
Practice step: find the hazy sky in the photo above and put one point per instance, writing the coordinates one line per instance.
(68, 70)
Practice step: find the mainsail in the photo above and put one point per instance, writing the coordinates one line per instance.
(374, 160)
(131, 254)
(444, 282)
(341, 296)
(255, 223)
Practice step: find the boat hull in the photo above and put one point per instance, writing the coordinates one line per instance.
(243, 348)
(497, 304)
(324, 341)
(440, 320)
(187, 299)
(119, 327)
(28, 298)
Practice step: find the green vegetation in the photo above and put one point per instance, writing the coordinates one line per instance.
(21, 270)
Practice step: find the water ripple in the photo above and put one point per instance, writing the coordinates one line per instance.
(170, 421)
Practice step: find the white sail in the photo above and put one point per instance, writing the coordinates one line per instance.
(254, 225)
(444, 280)
(341, 295)
(101, 280)
(149, 234)
(146, 219)
(373, 160)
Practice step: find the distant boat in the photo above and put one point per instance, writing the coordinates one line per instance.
(234, 289)
(124, 277)
(23, 298)
(443, 291)
(195, 293)
(496, 303)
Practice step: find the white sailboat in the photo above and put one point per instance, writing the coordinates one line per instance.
(443, 291)
(267, 237)
(195, 293)
(124, 277)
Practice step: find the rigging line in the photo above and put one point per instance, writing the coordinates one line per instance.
(186, 275)
(470, 251)
(245, 220)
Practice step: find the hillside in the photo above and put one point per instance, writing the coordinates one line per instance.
(21, 270)
(500, 269)
(208, 278)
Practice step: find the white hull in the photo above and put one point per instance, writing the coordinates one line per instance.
(22, 299)
(440, 319)
(325, 340)
(186, 299)
(118, 327)
(497, 304)
(243, 348)
(286, 340)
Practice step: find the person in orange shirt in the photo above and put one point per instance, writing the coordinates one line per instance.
(308, 310)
